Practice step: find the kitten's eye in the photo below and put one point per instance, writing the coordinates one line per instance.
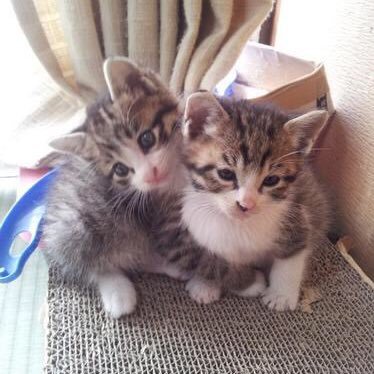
(271, 180)
(120, 169)
(226, 174)
(147, 140)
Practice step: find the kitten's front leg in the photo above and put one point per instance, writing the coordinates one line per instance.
(159, 265)
(202, 290)
(173, 271)
(117, 293)
(255, 288)
(285, 280)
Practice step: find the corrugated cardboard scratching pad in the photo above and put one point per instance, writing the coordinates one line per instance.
(169, 333)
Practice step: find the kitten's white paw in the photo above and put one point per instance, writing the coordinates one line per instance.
(203, 292)
(119, 303)
(118, 295)
(175, 273)
(280, 301)
(257, 288)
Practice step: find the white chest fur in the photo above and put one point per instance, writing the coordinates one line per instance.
(238, 241)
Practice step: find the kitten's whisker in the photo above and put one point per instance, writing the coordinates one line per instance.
(287, 155)
(322, 149)
(288, 161)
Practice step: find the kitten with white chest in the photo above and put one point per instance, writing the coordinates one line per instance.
(115, 206)
(253, 197)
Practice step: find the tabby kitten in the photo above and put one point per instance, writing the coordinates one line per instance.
(116, 204)
(252, 196)
(118, 166)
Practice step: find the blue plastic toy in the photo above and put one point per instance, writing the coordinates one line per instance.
(26, 215)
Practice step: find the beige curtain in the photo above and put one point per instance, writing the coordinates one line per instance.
(191, 43)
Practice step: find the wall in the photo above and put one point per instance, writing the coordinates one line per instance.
(341, 33)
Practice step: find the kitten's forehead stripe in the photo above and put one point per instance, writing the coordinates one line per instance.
(158, 122)
(227, 159)
(244, 152)
(230, 159)
(266, 155)
(170, 107)
(237, 119)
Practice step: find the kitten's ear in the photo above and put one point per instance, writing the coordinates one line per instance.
(77, 143)
(202, 114)
(122, 75)
(70, 143)
(306, 128)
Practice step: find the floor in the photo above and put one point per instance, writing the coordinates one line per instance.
(21, 302)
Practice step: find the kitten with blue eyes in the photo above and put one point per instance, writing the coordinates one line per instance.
(252, 197)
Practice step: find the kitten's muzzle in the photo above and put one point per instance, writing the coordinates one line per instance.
(241, 207)
(156, 177)
(246, 205)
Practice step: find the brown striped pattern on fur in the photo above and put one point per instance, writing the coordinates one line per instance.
(111, 126)
(253, 141)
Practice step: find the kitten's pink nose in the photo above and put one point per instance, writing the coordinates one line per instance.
(155, 176)
(247, 204)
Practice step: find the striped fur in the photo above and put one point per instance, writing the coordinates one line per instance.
(105, 221)
(253, 197)
(98, 225)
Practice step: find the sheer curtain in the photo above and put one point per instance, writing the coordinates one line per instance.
(191, 43)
